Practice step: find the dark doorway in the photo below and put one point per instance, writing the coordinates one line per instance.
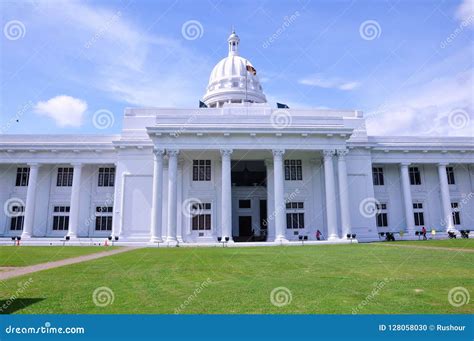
(249, 173)
(245, 228)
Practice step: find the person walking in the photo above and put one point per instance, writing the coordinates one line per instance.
(423, 232)
(318, 235)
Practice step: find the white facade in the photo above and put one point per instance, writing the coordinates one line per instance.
(185, 175)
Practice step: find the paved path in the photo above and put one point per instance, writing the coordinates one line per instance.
(19, 271)
(427, 247)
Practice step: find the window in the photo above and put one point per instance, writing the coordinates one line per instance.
(22, 176)
(245, 204)
(103, 218)
(106, 177)
(456, 213)
(295, 215)
(201, 170)
(18, 218)
(450, 174)
(382, 215)
(377, 176)
(415, 177)
(293, 170)
(60, 218)
(418, 214)
(65, 175)
(201, 219)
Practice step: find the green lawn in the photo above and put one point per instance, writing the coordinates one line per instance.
(321, 279)
(451, 243)
(29, 255)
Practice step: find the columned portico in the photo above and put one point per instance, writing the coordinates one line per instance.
(407, 199)
(157, 197)
(226, 195)
(343, 193)
(331, 215)
(279, 185)
(172, 194)
(30, 201)
(75, 201)
(445, 198)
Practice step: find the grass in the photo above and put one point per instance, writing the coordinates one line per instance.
(333, 279)
(450, 243)
(30, 255)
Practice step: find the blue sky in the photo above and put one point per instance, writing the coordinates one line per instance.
(407, 64)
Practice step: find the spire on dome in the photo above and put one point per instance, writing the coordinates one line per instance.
(234, 41)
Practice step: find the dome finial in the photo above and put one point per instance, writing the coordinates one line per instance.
(233, 41)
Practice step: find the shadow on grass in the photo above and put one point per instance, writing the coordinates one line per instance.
(12, 306)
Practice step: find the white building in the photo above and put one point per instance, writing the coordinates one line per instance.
(238, 169)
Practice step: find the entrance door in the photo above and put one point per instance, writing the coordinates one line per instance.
(245, 228)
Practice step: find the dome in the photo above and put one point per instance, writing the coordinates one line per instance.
(233, 79)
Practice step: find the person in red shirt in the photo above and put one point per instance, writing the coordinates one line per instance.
(423, 232)
(318, 235)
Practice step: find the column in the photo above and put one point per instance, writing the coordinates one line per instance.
(270, 219)
(179, 222)
(331, 215)
(172, 194)
(407, 201)
(279, 186)
(343, 193)
(157, 197)
(445, 198)
(30, 202)
(75, 201)
(226, 195)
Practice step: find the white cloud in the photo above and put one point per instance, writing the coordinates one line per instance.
(465, 11)
(427, 108)
(130, 63)
(328, 83)
(64, 110)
